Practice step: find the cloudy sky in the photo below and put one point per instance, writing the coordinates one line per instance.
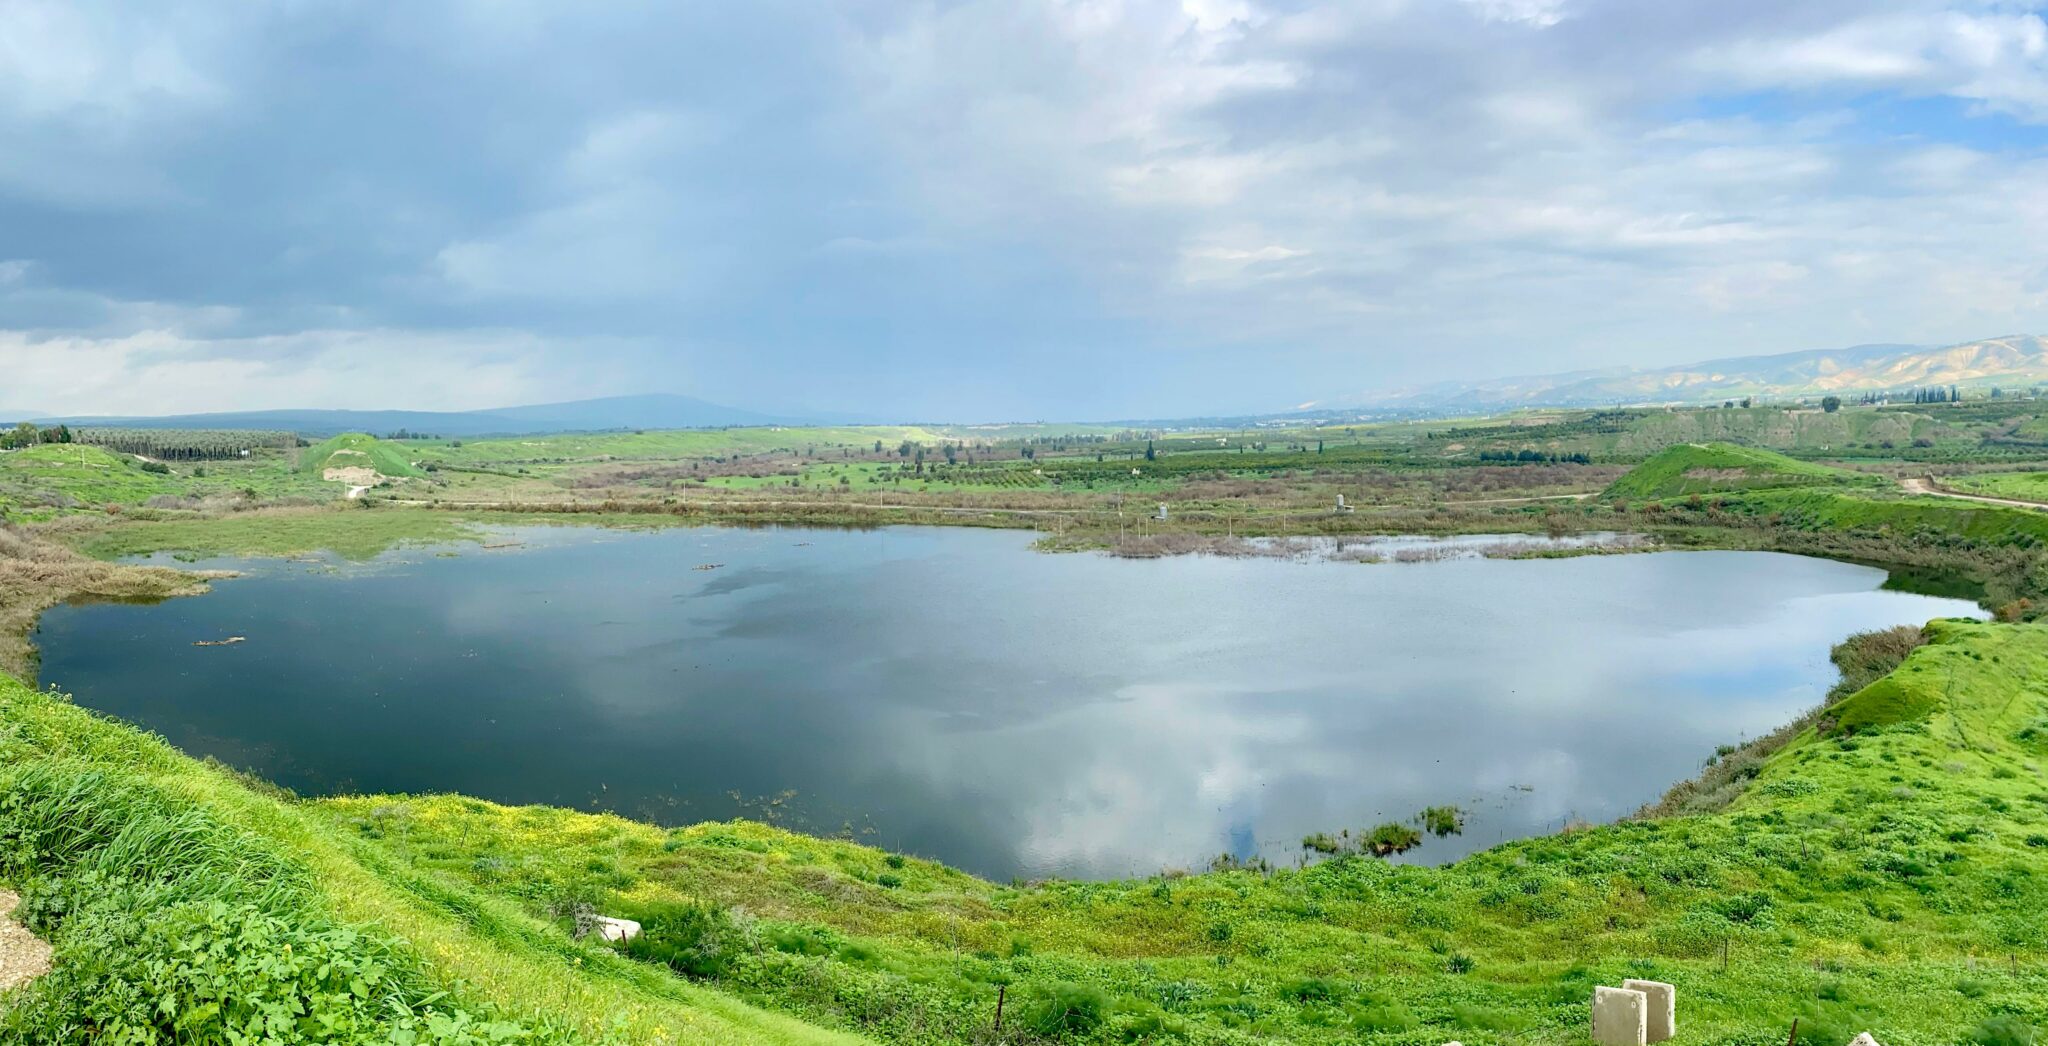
(993, 208)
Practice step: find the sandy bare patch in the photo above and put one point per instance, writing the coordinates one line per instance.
(23, 956)
(354, 475)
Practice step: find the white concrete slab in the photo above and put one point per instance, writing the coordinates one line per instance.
(1620, 1017)
(1663, 1013)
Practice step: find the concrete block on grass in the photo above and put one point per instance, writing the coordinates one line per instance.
(1663, 1015)
(1621, 1017)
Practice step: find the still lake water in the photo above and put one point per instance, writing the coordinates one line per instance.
(951, 693)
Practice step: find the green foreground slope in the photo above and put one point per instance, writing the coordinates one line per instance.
(1719, 468)
(1886, 869)
(186, 906)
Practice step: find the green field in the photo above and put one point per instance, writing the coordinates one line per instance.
(2022, 486)
(54, 479)
(1720, 468)
(57, 476)
(1934, 517)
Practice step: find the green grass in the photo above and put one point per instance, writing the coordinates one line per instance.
(356, 450)
(1930, 516)
(1882, 870)
(1719, 468)
(2021, 486)
(877, 476)
(186, 906)
(54, 476)
(55, 479)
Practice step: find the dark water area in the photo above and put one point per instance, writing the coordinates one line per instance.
(954, 694)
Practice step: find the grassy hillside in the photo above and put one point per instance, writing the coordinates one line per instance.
(1884, 870)
(51, 477)
(1927, 518)
(2022, 486)
(1719, 468)
(356, 450)
(186, 906)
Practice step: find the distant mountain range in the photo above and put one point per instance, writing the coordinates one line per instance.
(2015, 359)
(658, 411)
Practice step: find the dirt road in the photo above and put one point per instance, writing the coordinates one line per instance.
(1927, 486)
(1524, 501)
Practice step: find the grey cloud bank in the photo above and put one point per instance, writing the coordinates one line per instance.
(993, 210)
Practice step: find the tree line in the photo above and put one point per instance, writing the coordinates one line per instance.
(1521, 457)
(28, 435)
(185, 444)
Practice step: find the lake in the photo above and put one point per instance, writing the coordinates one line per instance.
(955, 694)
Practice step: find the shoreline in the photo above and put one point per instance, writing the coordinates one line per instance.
(1311, 550)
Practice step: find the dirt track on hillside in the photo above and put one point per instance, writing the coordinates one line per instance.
(1927, 486)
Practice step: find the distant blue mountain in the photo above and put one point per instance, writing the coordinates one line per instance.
(657, 411)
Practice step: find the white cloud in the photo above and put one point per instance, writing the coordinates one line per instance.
(1539, 13)
(159, 371)
(1995, 58)
(1362, 192)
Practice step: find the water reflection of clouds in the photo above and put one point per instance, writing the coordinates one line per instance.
(1017, 713)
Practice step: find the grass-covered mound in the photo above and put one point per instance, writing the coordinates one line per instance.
(1720, 468)
(1930, 517)
(355, 450)
(1885, 869)
(188, 907)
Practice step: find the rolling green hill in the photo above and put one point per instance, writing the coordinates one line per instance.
(51, 477)
(1936, 519)
(356, 450)
(1720, 468)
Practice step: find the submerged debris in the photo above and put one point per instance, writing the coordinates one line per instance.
(707, 566)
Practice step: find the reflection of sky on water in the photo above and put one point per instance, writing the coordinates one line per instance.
(1011, 712)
